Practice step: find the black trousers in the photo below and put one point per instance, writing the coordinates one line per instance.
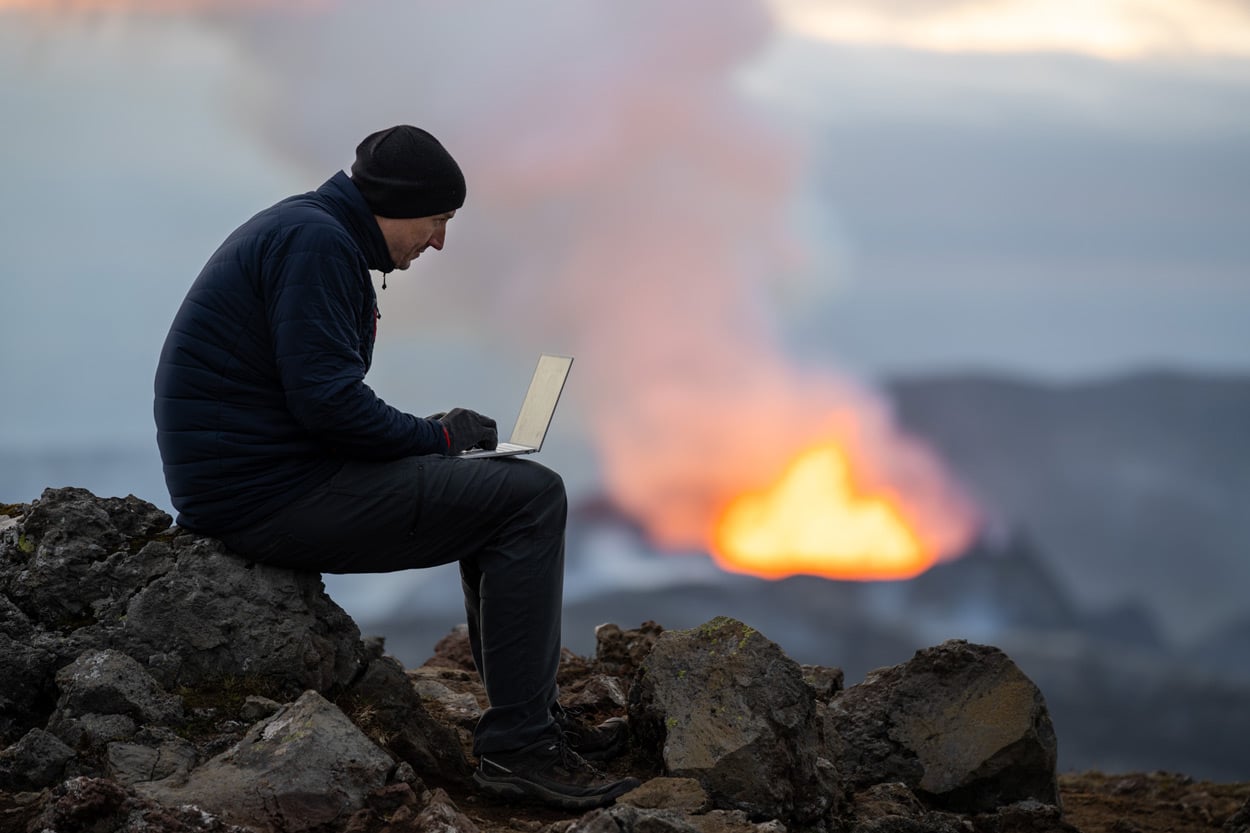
(502, 519)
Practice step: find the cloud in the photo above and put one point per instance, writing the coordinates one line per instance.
(1110, 29)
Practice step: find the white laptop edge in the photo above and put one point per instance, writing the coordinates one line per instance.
(537, 409)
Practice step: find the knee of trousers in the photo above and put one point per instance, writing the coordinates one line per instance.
(541, 481)
(544, 488)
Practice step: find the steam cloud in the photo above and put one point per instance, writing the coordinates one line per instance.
(628, 198)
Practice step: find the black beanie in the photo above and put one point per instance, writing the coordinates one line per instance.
(404, 172)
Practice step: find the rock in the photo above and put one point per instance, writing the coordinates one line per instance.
(105, 697)
(1030, 816)
(623, 818)
(619, 653)
(685, 795)
(29, 659)
(461, 707)
(98, 805)
(187, 623)
(736, 821)
(597, 694)
(34, 762)
(440, 814)
(824, 681)
(893, 808)
(453, 651)
(154, 755)
(722, 704)
(257, 708)
(959, 723)
(306, 767)
(384, 704)
(136, 610)
(84, 573)
(108, 682)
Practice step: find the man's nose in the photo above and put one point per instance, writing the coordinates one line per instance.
(436, 242)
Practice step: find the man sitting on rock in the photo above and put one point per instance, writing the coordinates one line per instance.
(272, 442)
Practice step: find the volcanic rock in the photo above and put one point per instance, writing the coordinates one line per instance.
(722, 704)
(155, 755)
(110, 619)
(98, 805)
(685, 794)
(959, 723)
(34, 762)
(92, 573)
(624, 818)
(102, 686)
(304, 767)
(386, 706)
(893, 808)
(149, 670)
(619, 652)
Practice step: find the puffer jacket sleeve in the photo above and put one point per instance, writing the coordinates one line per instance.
(315, 290)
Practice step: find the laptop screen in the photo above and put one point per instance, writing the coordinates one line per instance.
(540, 400)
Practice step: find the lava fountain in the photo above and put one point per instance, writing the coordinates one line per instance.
(815, 520)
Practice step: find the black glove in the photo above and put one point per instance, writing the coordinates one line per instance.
(437, 416)
(468, 429)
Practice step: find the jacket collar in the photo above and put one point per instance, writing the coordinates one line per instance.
(350, 208)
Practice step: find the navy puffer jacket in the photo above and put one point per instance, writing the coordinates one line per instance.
(260, 392)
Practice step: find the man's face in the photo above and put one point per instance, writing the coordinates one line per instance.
(407, 238)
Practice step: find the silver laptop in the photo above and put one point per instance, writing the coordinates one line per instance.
(536, 411)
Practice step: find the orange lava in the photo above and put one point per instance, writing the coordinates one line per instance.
(813, 521)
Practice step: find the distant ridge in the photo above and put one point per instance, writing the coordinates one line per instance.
(1135, 486)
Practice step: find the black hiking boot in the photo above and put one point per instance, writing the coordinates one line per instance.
(551, 773)
(594, 743)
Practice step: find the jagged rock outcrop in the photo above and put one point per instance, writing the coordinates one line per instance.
(302, 769)
(726, 706)
(119, 633)
(959, 723)
(84, 573)
(148, 671)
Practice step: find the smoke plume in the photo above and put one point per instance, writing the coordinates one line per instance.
(627, 203)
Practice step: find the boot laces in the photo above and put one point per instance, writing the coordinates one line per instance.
(570, 760)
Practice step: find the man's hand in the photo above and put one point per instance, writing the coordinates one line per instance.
(468, 429)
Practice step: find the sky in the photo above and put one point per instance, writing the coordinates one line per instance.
(734, 212)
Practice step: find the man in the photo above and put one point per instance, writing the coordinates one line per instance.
(272, 442)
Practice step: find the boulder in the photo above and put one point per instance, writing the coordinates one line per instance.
(212, 614)
(154, 755)
(723, 705)
(106, 612)
(107, 682)
(385, 705)
(619, 652)
(683, 794)
(81, 573)
(304, 768)
(36, 761)
(958, 723)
